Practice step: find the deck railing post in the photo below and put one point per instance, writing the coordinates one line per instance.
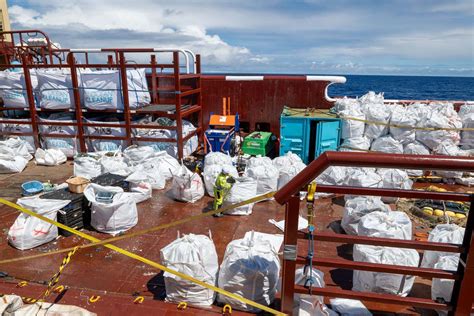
(77, 101)
(289, 254)
(463, 290)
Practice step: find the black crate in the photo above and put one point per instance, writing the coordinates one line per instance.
(114, 180)
(76, 214)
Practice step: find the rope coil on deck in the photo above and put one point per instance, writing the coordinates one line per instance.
(106, 243)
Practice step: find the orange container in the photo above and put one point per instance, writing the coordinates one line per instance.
(77, 184)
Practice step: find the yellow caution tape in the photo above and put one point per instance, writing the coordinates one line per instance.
(55, 278)
(153, 263)
(137, 233)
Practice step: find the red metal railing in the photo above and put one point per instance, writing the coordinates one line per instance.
(169, 86)
(462, 297)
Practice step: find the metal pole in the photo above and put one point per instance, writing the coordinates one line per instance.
(126, 102)
(77, 100)
(31, 100)
(179, 120)
(289, 254)
(463, 290)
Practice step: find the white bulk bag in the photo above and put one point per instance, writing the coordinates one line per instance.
(346, 103)
(266, 177)
(12, 164)
(439, 116)
(49, 157)
(309, 305)
(445, 233)
(371, 97)
(115, 165)
(447, 148)
(112, 218)
(210, 176)
(55, 90)
(27, 231)
(394, 179)
(443, 288)
(379, 113)
(87, 167)
(289, 172)
(16, 147)
(387, 144)
(161, 160)
(361, 143)
(250, 268)
(217, 158)
(102, 90)
(68, 145)
(403, 116)
(196, 256)
(13, 89)
(187, 186)
(392, 224)
(148, 173)
(357, 207)
(466, 113)
(243, 189)
(134, 155)
(138, 94)
(333, 175)
(286, 160)
(352, 127)
(8, 127)
(258, 161)
(378, 282)
(363, 177)
(140, 191)
(415, 148)
(105, 131)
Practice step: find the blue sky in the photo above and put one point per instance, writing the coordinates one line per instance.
(416, 37)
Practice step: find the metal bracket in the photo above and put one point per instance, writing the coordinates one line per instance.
(289, 252)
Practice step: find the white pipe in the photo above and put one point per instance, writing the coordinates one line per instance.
(170, 50)
(244, 78)
(332, 79)
(85, 50)
(194, 59)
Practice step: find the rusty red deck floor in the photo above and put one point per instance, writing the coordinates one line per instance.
(116, 278)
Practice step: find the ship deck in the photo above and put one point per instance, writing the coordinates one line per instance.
(116, 278)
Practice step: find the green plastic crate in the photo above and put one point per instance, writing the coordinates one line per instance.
(258, 143)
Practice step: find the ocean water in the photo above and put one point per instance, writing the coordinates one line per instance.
(407, 87)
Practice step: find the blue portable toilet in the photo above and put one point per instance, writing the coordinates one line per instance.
(308, 133)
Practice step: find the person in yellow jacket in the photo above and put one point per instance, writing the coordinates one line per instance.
(222, 187)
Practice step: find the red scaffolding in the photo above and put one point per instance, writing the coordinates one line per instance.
(174, 87)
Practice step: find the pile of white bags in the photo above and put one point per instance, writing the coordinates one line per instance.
(162, 161)
(356, 207)
(466, 112)
(104, 144)
(350, 108)
(447, 148)
(187, 186)
(49, 157)
(134, 155)
(365, 281)
(360, 143)
(68, 145)
(87, 166)
(196, 256)
(112, 218)
(141, 189)
(27, 231)
(243, 189)
(363, 177)
(114, 164)
(394, 179)
(393, 224)
(415, 148)
(266, 177)
(55, 89)
(212, 171)
(19, 128)
(103, 89)
(14, 155)
(445, 233)
(149, 173)
(443, 288)
(250, 268)
(258, 161)
(288, 167)
(439, 116)
(387, 144)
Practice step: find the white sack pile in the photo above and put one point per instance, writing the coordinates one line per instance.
(288, 167)
(49, 157)
(14, 155)
(187, 186)
(266, 176)
(357, 207)
(445, 233)
(466, 112)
